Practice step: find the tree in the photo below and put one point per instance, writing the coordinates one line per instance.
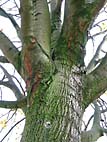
(51, 63)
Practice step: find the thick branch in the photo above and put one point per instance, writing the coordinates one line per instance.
(77, 18)
(26, 18)
(13, 104)
(97, 116)
(80, 13)
(36, 39)
(55, 21)
(95, 84)
(11, 86)
(55, 5)
(104, 130)
(96, 130)
(9, 50)
(3, 59)
(42, 25)
(35, 21)
(91, 135)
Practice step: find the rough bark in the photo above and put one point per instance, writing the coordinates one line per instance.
(56, 112)
(51, 66)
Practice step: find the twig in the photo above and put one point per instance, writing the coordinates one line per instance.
(12, 129)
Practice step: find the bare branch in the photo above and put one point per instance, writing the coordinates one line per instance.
(88, 122)
(9, 50)
(98, 24)
(4, 3)
(12, 129)
(100, 111)
(19, 84)
(14, 104)
(16, 4)
(10, 17)
(97, 34)
(95, 59)
(96, 130)
(97, 116)
(104, 130)
(95, 83)
(3, 59)
(11, 84)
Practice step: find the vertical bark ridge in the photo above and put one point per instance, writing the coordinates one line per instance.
(56, 113)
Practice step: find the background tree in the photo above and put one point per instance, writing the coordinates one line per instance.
(51, 62)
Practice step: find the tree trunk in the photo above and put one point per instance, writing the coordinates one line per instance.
(56, 112)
